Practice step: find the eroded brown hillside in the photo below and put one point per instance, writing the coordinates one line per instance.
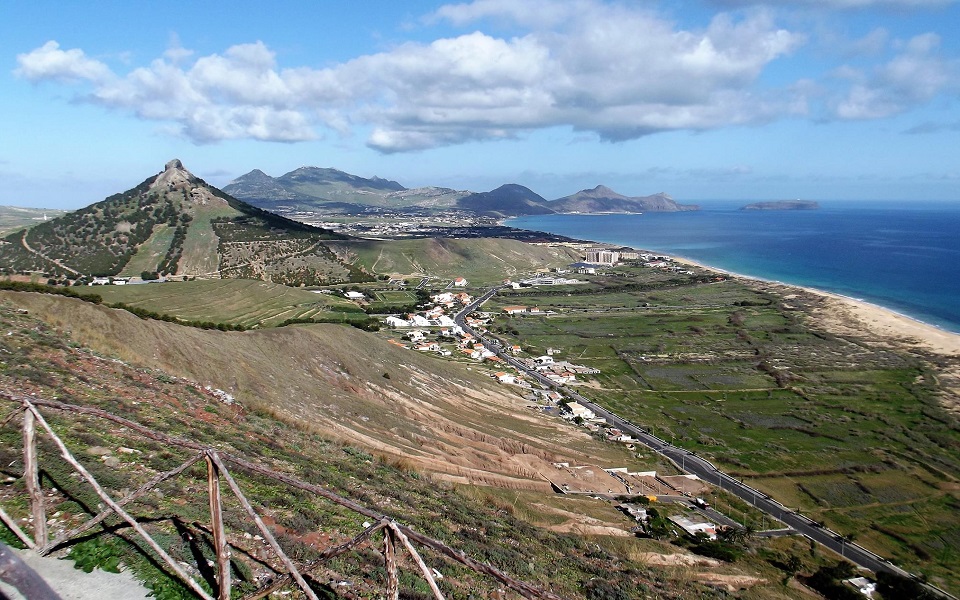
(348, 385)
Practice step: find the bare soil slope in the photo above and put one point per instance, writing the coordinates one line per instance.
(348, 385)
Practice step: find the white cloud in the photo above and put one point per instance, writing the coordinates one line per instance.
(50, 62)
(915, 76)
(610, 69)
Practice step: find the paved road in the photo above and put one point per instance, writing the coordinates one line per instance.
(704, 469)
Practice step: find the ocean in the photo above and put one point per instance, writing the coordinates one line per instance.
(904, 256)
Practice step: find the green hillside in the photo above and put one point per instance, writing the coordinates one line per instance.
(175, 224)
(246, 302)
(332, 191)
(479, 260)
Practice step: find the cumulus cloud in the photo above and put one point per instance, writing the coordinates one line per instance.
(914, 76)
(608, 69)
(50, 62)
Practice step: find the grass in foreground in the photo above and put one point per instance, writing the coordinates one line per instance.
(246, 302)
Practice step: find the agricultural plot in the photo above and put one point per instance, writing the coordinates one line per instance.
(386, 300)
(150, 254)
(848, 432)
(13, 218)
(233, 301)
(198, 252)
(480, 260)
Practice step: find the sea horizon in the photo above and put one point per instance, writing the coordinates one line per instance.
(901, 256)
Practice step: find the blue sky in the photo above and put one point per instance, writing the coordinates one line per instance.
(708, 99)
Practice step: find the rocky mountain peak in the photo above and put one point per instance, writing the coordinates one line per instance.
(176, 177)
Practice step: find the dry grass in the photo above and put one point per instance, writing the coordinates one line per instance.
(432, 415)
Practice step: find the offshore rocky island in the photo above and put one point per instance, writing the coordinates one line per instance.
(783, 205)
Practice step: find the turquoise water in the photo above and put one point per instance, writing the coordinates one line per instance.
(904, 256)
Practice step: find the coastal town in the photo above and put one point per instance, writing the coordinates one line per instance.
(453, 326)
(681, 501)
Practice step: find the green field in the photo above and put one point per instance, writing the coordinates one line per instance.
(847, 431)
(250, 303)
(150, 254)
(13, 218)
(481, 261)
(390, 301)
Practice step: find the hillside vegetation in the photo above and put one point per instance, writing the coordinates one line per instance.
(245, 302)
(175, 224)
(479, 260)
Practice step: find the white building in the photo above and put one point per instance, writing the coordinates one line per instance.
(578, 410)
(863, 585)
(602, 256)
(419, 321)
(693, 527)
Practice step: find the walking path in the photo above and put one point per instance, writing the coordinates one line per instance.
(73, 584)
(26, 246)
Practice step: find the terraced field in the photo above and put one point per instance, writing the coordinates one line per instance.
(848, 430)
(251, 303)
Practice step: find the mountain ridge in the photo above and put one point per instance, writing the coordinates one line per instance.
(333, 190)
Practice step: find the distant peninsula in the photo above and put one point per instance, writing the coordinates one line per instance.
(783, 205)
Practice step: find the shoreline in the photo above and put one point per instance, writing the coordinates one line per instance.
(877, 319)
(849, 314)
